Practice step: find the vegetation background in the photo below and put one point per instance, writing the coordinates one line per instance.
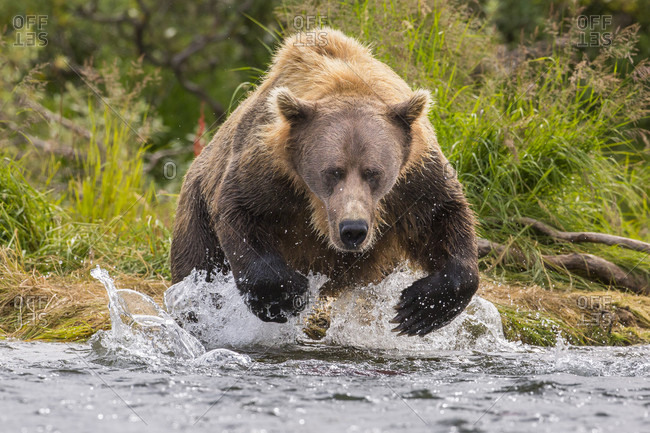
(541, 106)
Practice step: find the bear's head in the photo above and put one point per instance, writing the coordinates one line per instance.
(349, 152)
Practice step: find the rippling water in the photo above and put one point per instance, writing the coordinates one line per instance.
(147, 374)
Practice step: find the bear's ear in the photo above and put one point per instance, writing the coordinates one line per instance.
(294, 110)
(407, 112)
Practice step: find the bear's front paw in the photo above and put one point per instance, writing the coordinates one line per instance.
(431, 303)
(277, 298)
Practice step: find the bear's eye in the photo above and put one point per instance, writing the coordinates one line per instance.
(372, 177)
(332, 176)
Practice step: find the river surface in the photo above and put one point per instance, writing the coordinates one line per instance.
(233, 373)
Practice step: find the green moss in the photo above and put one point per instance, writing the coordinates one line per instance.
(542, 329)
(536, 328)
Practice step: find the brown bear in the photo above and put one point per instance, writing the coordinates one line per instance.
(331, 166)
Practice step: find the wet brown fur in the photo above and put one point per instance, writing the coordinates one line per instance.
(244, 192)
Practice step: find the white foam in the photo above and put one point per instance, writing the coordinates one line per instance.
(213, 316)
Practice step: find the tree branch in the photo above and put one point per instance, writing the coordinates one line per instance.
(44, 145)
(50, 117)
(586, 265)
(579, 237)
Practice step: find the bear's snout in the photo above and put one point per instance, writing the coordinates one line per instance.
(353, 232)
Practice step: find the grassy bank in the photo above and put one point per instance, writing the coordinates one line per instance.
(546, 131)
(73, 307)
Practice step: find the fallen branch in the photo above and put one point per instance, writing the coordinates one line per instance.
(52, 117)
(579, 237)
(586, 265)
(44, 145)
(594, 267)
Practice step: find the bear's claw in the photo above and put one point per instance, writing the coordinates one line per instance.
(431, 303)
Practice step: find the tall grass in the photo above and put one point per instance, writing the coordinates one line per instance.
(38, 235)
(110, 181)
(96, 207)
(26, 215)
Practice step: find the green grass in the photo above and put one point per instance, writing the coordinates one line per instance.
(110, 182)
(26, 215)
(535, 328)
(49, 239)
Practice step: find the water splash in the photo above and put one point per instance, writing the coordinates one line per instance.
(360, 319)
(213, 316)
(142, 331)
(216, 314)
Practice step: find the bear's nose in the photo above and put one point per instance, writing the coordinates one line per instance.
(353, 232)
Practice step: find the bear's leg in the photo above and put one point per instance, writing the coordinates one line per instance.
(446, 248)
(194, 243)
(271, 289)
